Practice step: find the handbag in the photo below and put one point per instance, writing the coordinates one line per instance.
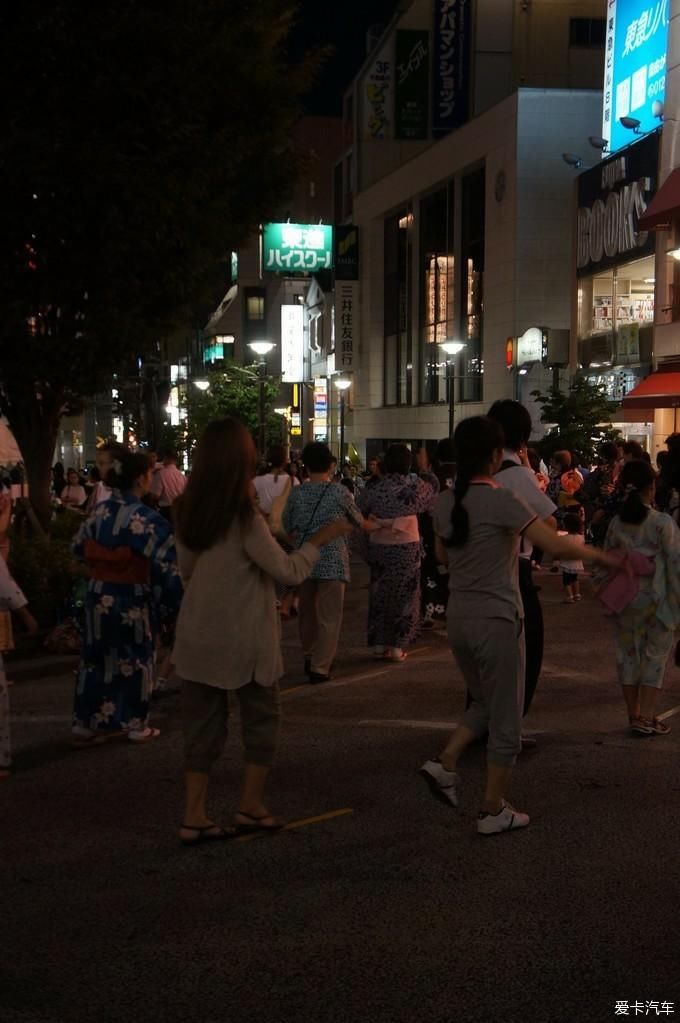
(6, 632)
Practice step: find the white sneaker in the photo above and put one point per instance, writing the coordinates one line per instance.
(507, 819)
(443, 784)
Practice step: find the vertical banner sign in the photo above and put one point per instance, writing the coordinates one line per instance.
(635, 67)
(292, 344)
(377, 95)
(347, 252)
(450, 65)
(346, 323)
(412, 84)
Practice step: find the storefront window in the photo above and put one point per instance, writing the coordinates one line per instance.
(436, 291)
(471, 364)
(616, 304)
(397, 318)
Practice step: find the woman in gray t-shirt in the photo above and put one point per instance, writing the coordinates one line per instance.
(478, 527)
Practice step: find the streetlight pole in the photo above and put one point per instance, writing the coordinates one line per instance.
(452, 348)
(261, 348)
(342, 386)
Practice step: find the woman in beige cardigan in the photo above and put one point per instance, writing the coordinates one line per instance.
(228, 628)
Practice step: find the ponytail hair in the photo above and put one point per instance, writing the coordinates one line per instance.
(475, 442)
(636, 478)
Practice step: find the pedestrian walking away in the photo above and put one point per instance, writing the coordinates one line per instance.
(228, 632)
(394, 552)
(645, 627)
(322, 595)
(479, 526)
(129, 551)
(516, 474)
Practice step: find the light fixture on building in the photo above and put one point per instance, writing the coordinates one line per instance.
(523, 371)
(675, 253)
(597, 142)
(631, 123)
(202, 385)
(261, 348)
(573, 160)
(657, 109)
(650, 280)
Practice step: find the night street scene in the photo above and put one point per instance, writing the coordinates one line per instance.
(339, 511)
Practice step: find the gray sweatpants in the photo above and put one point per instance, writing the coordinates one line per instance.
(490, 654)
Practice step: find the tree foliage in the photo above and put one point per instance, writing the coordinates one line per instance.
(141, 140)
(580, 419)
(235, 393)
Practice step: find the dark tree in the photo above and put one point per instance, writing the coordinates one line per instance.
(141, 140)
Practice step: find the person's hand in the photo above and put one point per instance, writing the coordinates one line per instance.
(331, 531)
(613, 562)
(371, 524)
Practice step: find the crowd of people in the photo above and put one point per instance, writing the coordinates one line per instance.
(216, 561)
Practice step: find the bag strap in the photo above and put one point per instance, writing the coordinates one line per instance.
(308, 527)
(508, 464)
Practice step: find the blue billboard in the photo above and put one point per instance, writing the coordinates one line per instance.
(635, 67)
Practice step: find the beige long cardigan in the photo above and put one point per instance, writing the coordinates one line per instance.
(228, 630)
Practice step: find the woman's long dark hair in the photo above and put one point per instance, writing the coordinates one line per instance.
(635, 478)
(219, 490)
(475, 442)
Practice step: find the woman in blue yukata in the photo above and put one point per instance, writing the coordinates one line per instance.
(129, 551)
(394, 552)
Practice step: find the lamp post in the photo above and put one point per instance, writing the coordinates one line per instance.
(342, 386)
(452, 348)
(261, 348)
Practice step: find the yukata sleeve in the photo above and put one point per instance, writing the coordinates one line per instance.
(85, 532)
(426, 492)
(11, 596)
(669, 541)
(149, 534)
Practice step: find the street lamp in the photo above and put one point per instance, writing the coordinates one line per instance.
(202, 385)
(262, 348)
(342, 386)
(451, 348)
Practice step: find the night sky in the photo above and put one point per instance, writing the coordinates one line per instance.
(341, 24)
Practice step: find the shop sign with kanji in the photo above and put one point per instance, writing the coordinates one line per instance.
(297, 248)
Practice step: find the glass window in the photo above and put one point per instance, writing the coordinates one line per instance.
(613, 307)
(436, 291)
(471, 359)
(397, 309)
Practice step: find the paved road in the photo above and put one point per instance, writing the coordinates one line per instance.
(382, 905)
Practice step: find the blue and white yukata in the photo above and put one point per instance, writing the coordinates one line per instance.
(116, 674)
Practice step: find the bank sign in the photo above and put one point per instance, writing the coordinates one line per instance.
(611, 199)
(635, 67)
(297, 248)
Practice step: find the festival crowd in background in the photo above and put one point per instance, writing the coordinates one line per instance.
(193, 576)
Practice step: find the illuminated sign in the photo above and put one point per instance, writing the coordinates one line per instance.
(635, 67)
(297, 248)
(292, 344)
(530, 346)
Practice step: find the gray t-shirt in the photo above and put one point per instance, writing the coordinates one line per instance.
(522, 481)
(484, 572)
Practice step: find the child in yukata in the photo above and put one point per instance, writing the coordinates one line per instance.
(645, 629)
(11, 599)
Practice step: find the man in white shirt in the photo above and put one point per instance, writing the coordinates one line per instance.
(168, 483)
(517, 476)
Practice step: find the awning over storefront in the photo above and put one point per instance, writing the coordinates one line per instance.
(658, 390)
(665, 206)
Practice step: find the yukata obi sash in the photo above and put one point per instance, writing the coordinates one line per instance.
(116, 564)
(623, 586)
(402, 529)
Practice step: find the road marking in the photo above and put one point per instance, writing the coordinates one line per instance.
(669, 713)
(296, 825)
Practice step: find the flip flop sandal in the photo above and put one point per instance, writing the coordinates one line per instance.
(208, 833)
(96, 739)
(257, 823)
(146, 736)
